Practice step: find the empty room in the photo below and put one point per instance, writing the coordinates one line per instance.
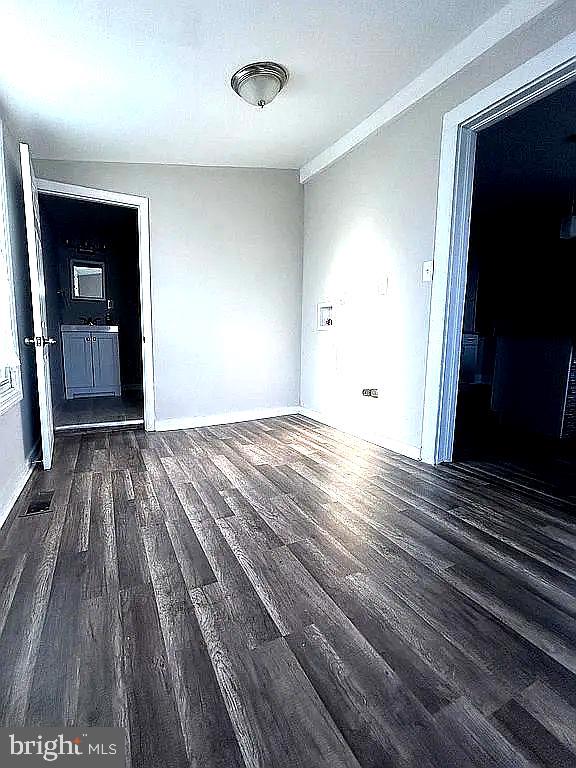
(288, 383)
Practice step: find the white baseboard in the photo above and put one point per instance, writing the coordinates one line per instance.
(189, 422)
(17, 485)
(405, 449)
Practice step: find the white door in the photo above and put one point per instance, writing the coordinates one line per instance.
(40, 341)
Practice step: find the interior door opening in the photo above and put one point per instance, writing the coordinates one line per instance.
(88, 349)
(531, 82)
(517, 383)
(92, 283)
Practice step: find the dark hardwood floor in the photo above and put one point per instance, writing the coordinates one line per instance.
(279, 594)
(85, 411)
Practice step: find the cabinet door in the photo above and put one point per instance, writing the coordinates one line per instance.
(77, 348)
(105, 361)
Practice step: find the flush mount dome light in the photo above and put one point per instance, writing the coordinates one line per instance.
(259, 83)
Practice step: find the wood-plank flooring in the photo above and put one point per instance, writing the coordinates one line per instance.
(276, 594)
(85, 411)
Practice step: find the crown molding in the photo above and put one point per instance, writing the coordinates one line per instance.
(503, 23)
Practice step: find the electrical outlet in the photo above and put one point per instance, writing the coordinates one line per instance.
(324, 315)
(382, 286)
(427, 271)
(373, 393)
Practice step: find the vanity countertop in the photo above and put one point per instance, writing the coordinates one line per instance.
(90, 328)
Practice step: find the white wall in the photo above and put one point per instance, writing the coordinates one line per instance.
(18, 425)
(226, 252)
(368, 218)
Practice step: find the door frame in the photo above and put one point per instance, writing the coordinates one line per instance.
(142, 206)
(528, 83)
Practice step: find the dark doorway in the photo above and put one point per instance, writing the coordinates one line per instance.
(93, 300)
(517, 387)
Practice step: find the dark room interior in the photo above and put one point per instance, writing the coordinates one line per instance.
(516, 389)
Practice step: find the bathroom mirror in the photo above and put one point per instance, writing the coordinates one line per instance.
(88, 281)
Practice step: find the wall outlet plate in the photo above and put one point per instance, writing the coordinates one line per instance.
(324, 315)
(382, 286)
(427, 271)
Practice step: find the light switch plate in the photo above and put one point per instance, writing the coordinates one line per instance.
(427, 271)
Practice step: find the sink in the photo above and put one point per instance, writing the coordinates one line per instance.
(90, 328)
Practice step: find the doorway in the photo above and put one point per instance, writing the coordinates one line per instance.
(140, 207)
(86, 282)
(532, 81)
(92, 280)
(517, 381)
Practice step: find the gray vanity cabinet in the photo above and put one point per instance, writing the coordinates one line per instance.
(91, 361)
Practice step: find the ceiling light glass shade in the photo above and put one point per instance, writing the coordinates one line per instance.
(259, 83)
(259, 90)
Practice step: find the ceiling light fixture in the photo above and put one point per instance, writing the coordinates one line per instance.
(259, 83)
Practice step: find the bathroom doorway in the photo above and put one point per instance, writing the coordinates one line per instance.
(94, 302)
(92, 281)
